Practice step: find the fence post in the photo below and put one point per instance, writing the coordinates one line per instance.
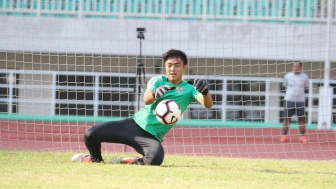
(53, 93)
(96, 96)
(310, 102)
(267, 103)
(326, 92)
(224, 90)
(10, 78)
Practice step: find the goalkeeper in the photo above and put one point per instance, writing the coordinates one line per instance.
(143, 131)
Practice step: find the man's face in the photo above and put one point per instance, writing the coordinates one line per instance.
(296, 68)
(174, 70)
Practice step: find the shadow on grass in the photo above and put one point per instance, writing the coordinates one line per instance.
(293, 172)
(279, 172)
(326, 173)
(180, 166)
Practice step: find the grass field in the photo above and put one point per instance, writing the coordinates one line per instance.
(26, 169)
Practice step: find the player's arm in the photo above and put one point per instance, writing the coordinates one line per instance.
(204, 96)
(306, 84)
(284, 84)
(206, 100)
(150, 96)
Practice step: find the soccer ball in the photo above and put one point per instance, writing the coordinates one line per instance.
(168, 112)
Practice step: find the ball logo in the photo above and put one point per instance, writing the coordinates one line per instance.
(173, 118)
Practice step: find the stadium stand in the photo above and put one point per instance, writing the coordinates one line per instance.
(251, 10)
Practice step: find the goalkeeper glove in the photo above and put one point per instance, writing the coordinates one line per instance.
(157, 93)
(200, 85)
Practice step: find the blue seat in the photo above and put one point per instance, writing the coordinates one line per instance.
(224, 10)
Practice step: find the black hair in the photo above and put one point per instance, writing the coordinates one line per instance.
(299, 62)
(175, 53)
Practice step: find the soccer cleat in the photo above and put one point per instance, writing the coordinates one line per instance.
(83, 158)
(283, 138)
(303, 139)
(120, 160)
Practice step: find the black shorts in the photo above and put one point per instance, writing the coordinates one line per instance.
(294, 108)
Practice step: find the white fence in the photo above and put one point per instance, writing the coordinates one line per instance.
(38, 96)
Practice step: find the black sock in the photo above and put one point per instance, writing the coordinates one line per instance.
(285, 131)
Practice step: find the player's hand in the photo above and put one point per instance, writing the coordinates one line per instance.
(200, 85)
(157, 93)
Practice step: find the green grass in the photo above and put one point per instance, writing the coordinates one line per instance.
(25, 169)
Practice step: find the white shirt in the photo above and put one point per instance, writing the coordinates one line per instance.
(295, 85)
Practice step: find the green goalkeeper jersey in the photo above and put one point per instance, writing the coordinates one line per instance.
(184, 94)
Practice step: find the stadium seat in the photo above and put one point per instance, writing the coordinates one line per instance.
(229, 10)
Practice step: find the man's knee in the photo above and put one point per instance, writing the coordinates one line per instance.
(89, 134)
(154, 158)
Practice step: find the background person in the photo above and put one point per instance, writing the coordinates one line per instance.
(295, 84)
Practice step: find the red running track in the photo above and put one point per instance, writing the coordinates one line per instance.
(225, 142)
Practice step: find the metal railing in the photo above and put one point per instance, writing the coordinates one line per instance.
(223, 106)
(242, 10)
